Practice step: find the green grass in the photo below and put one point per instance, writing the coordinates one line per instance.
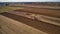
(8, 8)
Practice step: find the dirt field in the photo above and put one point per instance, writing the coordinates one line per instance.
(10, 26)
(48, 12)
(45, 27)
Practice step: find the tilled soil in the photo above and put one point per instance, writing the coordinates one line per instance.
(48, 12)
(45, 27)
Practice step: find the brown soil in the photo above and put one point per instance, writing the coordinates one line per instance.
(43, 11)
(49, 28)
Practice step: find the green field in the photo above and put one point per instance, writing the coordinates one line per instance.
(8, 8)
